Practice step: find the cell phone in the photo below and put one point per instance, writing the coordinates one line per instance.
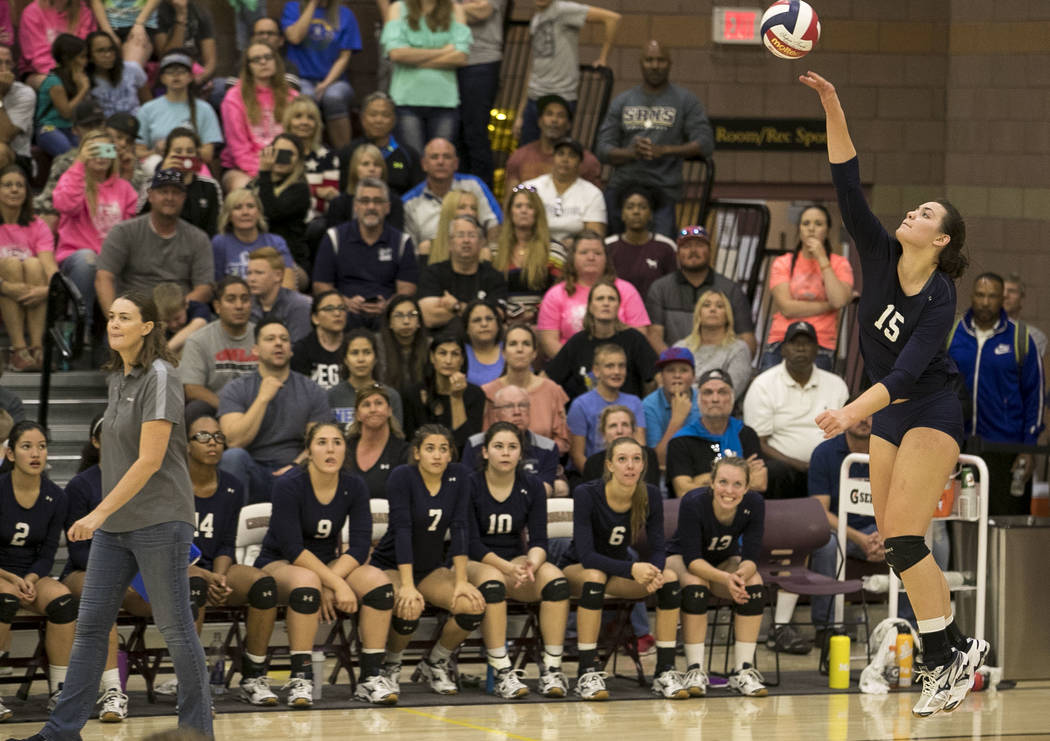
(514, 309)
(190, 164)
(284, 157)
(373, 299)
(105, 150)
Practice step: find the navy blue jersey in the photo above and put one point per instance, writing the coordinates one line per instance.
(700, 535)
(600, 536)
(420, 520)
(498, 527)
(539, 458)
(83, 494)
(300, 522)
(29, 537)
(216, 520)
(901, 337)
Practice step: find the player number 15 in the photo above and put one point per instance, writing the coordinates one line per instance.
(892, 329)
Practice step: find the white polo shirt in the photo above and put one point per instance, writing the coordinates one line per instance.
(567, 213)
(778, 407)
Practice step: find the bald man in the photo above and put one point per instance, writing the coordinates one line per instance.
(646, 134)
(540, 457)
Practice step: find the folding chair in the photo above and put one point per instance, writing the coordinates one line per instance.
(794, 528)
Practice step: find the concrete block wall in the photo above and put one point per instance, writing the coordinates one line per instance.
(943, 97)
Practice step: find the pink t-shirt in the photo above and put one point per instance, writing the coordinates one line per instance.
(547, 404)
(807, 284)
(565, 313)
(24, 242)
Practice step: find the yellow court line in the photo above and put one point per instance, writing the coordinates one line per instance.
(486, 729)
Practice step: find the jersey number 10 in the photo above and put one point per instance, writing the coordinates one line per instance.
(892, 329)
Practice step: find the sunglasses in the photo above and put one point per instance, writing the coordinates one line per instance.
(693, 231)
(522, 187)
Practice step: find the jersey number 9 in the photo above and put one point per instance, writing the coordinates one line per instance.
(324, 528)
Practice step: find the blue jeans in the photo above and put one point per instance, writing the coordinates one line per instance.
(55, 141)
(335, 103)
(80, 267)
(161, 553)
(481, 81)
(530, 121)
(256, 475)
(825, 359)
(418, 124)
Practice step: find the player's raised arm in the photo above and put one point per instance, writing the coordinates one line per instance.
(840, 146)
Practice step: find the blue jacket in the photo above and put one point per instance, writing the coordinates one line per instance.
(1007, 400)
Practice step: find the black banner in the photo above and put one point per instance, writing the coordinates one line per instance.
(770, 135)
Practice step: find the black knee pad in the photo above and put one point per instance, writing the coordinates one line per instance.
(403, 627)
(904, 551)
(556, 590)
(263, 593)
(61, 610)
(592, 595)
(8, 608)
(669, 596)
(380, 598)
(756, 601)
(305, 600)
(469, 621)
(198, 592)
(493, 591)
(694, 600)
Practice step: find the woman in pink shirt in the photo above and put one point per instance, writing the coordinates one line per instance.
(252, 112)
(91, 198)
(810, 284)
(565, 303)
(41, 23)
(27, 262)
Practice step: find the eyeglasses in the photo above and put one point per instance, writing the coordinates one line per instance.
(464, 235)
(371, 201)
(522, 187)
(522, 406)
(405, 315)
(334, 309)
(203, 437)
(260, 58)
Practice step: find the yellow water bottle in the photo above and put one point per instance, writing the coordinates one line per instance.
(838, 663)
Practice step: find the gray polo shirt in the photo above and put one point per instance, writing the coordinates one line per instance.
(141, 258)
(672, 299)
(280, 437)
(145, 395)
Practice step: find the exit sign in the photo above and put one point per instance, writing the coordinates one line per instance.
(737, 25)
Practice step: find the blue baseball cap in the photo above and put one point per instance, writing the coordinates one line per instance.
(676, 355)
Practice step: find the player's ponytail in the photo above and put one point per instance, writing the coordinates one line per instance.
(953, 259)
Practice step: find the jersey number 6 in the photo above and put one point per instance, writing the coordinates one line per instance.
(616, 536)
(892, 329)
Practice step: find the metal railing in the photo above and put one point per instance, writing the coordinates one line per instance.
(65, 320)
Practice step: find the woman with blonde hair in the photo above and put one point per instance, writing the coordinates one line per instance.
(252, 112)
(713, 342)
(242, 230)
(91, 198)
(302, 119)
(530, 260)
(365, 162)
(455, 203)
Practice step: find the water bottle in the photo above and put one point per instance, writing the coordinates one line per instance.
(967, 494)
(904, 657)
(317, 660)
(838, 662)
(217, 666)
(1017, 479)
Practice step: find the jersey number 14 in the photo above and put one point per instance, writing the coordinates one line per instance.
(892, 328)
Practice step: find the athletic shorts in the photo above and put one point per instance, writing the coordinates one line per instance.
(939, 411)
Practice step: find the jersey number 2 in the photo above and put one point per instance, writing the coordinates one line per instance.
(892, 329)
(21, 533)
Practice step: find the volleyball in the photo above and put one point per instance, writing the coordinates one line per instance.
(790, 29)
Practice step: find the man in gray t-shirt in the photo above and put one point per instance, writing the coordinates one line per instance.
(265, 414)
(157, 247)
(647, 132)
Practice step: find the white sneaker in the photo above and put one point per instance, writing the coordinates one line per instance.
(553, 683)
(377, 690)
(669, 685)
(937, 684)
(114, 706)
(256, 691)
(975, 656)
(300, 692)
(509, 685)
(748, 682)
(52, 701)
(439, 675)
(392, 672)
(591, 686)
(168, 687)
(4, 712)
(695, 680)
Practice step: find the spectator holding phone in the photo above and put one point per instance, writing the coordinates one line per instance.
(203, 197)
(285, 197)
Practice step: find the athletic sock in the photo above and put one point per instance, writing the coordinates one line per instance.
(57, 676)
(394, 658)
(302, 664)
(110, 680)
(588, 657)
(370, 662)
(498, 658)
(743, 653)
(936, 646)
(552, 658)
(694, 655)
(252, 666)
(785, 608)
(439, 653)
(664, 656)
(955, 636)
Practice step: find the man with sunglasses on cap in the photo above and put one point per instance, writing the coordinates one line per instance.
(537, 158)
(692, 453)
(671, 300)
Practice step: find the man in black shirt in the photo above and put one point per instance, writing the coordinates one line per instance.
(692, 452)
(445, 288)
(320, 354)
